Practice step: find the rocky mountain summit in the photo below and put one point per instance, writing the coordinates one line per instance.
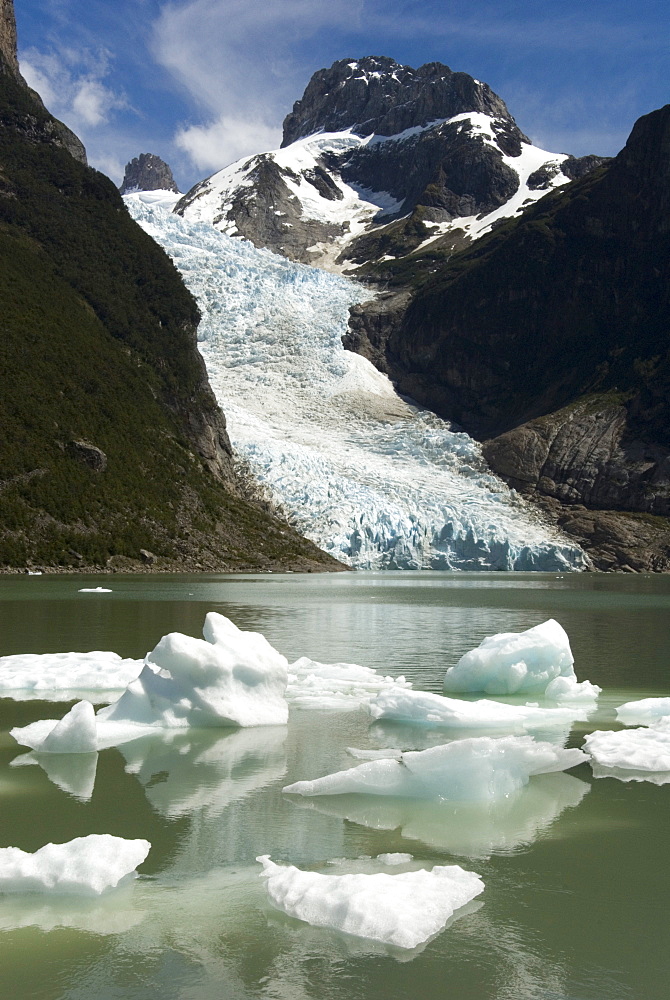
(377, 160)
(147, 172)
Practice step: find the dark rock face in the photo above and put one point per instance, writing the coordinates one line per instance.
(377, 94)
(550, 339)
(35, 128)
(89, 454)
(147, 172)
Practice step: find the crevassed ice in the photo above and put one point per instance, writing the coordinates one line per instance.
(402, 910)
(374, 481)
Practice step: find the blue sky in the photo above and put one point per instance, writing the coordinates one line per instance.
(203, 82)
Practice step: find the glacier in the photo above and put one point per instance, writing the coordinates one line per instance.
(375, 481)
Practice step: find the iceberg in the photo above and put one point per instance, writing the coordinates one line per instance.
(644, 750)
(403, 910)
(480, 769)
(86, 866)
(539, 660)
(336, 686)
(64, 676)
(469, 829)
(230, 679)
(643, 712)
(425, 708)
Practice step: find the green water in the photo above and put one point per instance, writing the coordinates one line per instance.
(577, 870)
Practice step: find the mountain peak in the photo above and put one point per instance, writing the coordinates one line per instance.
(147, 172)
(376, 94)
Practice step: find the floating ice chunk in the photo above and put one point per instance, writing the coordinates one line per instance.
(94, 590)
(374, 754)
(75, 733)
(570, 691)
(512, 662)
(231, 678)
(85, 866)
(396, 858)
(62, 676)
(470, 829)
(643, 749)
(428, 709)
(473, 770)
(337, 686)
(643, 712)
(402, 910)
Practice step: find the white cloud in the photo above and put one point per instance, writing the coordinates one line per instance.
(225, 140)
(238, 61)
(71, 85)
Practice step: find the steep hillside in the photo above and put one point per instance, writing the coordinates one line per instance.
(550, 337)
(113, 451)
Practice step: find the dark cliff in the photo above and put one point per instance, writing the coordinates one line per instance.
(147, 172)
(550, 338)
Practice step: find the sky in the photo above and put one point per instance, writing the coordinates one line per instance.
(204, 82)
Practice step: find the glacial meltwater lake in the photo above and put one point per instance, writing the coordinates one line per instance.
(577, 869)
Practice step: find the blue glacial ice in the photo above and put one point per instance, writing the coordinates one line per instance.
(375, 481)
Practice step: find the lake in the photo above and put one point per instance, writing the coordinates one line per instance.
(577, 870)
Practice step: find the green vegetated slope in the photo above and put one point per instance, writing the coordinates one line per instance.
(97, 348)
(571, 299)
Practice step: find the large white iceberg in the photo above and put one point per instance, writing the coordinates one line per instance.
(231, 678)
(336, 686)
(86, 866)
(404, 910)
(427, 709)
(64, 676)
(539, 660)
(474, 770)
(643, 712)
(639, 752)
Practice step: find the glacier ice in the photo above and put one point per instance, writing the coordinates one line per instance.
(633, 754)
(375, 481)
(404, 909)
(539, 660)
(64, 676)
(479, 769)
(85, 866)
(427, 709)
(643, 712)
(336, 686)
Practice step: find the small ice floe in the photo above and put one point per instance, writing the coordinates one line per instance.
(64, 676)
(395, 858)
(538, 660)
(336, 686)
(231, 678)
(86, 866)
(644, 712)
(424, 708)
(95, 590)
(472, 770)
(641, 754)
(403, 910)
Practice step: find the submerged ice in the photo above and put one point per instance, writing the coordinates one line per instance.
(379, 483)
(403, 909)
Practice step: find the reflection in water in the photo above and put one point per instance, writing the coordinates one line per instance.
(469, 829)
(74, 773)
(202, 772)
(630, 774)
(115, 912)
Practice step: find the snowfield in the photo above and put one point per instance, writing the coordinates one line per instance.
(375, 481)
